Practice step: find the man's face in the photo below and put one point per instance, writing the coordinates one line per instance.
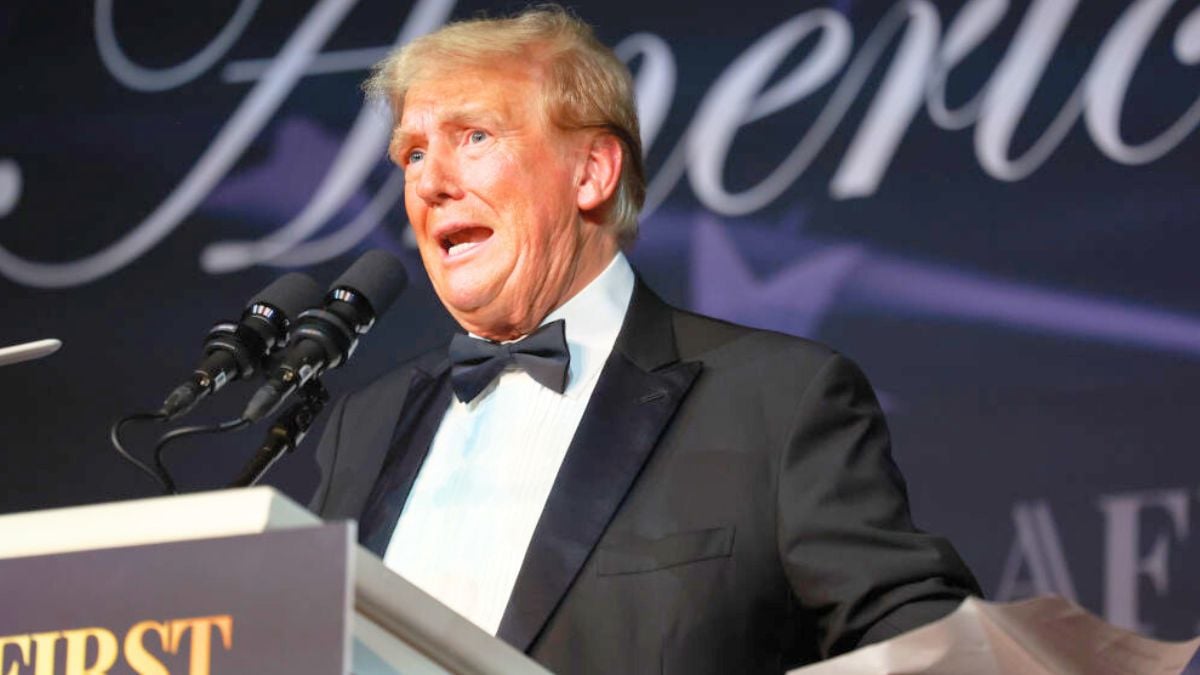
(493, 192)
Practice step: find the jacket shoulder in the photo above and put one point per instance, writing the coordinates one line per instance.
(704, 337)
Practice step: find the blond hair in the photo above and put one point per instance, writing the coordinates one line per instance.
(586, 86)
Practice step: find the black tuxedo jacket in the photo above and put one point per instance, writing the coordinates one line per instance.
(728, 504)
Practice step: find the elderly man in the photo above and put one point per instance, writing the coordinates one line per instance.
(604, 481)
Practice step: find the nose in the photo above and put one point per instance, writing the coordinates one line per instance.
(438, 178)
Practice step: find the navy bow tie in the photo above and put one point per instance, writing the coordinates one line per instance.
(543, 354)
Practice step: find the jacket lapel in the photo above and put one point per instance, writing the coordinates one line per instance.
(428, 396)
(640, 388)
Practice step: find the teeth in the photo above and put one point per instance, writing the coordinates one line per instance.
(462, 248)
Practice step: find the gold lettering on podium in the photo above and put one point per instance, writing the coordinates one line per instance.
(142, 661)
(77, 648)
(38, 650)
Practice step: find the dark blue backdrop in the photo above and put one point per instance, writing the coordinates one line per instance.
(990, 205)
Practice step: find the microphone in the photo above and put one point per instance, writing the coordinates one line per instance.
(325, 338)
(28, 351)
(236, 350)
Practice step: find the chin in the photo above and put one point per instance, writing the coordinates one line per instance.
(488, 320)
(466, 305)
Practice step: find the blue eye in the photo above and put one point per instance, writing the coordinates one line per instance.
(415, 156)
(478, 136)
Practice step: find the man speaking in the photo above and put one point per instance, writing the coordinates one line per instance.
(609, 483)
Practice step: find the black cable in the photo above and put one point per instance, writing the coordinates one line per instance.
(171, 436)
(114, 435)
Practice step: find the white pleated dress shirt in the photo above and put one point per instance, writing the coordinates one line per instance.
(471, 513)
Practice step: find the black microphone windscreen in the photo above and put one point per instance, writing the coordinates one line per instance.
(291, 294)
(378, 276)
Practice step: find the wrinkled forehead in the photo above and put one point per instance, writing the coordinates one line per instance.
(472, 80)
(497, 98)
(495, 95)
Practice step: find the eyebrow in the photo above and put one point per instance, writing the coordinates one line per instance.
(470, 115)
(466, 116)
(400, 140)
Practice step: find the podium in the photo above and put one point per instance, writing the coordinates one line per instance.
(235, 581)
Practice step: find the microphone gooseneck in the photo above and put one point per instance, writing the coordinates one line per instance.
(285, 434)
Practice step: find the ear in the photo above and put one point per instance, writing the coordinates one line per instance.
(601, 172)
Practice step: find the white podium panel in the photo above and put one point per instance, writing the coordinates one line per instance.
(396, 627)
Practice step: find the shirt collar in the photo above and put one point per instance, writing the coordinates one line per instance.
(594, 317)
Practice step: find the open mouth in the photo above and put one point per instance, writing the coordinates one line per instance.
(460, 241)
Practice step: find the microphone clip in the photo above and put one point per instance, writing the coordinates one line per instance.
(285, 433)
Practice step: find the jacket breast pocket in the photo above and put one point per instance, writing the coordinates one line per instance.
(634, 555)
